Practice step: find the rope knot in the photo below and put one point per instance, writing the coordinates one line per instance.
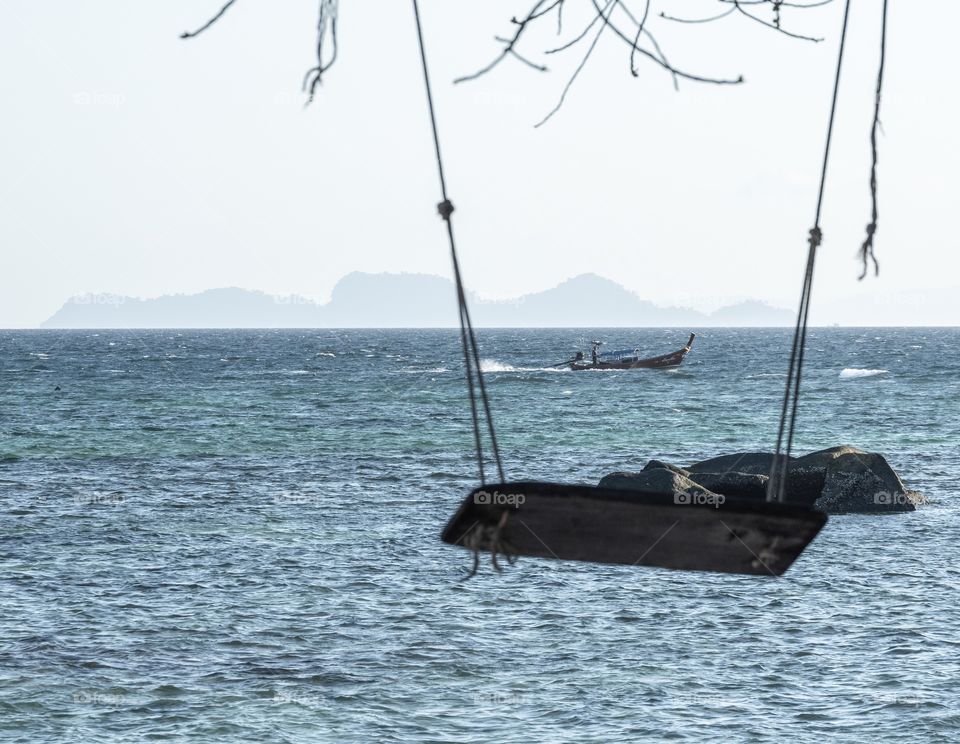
(871, 229)
(445, 208)
(815, 237)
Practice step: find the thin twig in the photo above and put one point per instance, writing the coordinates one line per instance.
(866, 250)
(576, 72)
(327, 18)
(581, 35)
(515, 53)
(687, 75)
(534, 13)
(784, 4)
(738, 4)
(208, 24)
(314, 76)
(636, 39)
(698, 20)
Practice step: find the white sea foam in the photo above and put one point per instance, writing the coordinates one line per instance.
(492, 365)
(851, 373)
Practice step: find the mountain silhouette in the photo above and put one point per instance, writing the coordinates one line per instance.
(362, 300)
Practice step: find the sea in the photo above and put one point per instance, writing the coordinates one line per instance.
(223, 535)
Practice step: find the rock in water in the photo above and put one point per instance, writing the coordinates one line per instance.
(859, 482)
(730, 483)
(838, 480)
(735, 484)
(807, 475)
(754, 463)
(656, 480)
(661, 465)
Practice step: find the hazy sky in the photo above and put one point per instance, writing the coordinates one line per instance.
(136, 163)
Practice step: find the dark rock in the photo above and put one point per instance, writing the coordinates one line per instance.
(857, 482)
(661, 465)
(731, 483)
(838, 480)
(753, 463)
(656, 480)
(807, 474)
(734, 484)
(825, 456)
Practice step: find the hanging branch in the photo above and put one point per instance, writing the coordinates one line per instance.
(509, 45)
(738, 4)
(576, 72)
(327, 19)
(208, 24)
(649, 55)
(637, 38)
(641, 30)
(710, 19)
(326, 28)
(866, 250)
(632, 30)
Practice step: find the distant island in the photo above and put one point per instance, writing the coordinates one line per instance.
(362, 300)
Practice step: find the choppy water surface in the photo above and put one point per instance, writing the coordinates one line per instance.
(227, 536)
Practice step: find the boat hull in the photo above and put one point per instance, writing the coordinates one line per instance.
(664, 361)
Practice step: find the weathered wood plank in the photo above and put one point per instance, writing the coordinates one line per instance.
(584, 523)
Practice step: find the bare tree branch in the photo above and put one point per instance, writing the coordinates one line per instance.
(738, 4)
(779, 2)
(515, 53)
(576, 38)
(603, 14)
(669, 68)
(326, 25)
(724, 14)
(508, 48)
(327, 19)
(610, 4)
(208, 24)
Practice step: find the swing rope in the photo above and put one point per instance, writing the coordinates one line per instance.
(776, 486)
(468, 340)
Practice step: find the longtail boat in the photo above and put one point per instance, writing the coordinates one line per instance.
(627, 358)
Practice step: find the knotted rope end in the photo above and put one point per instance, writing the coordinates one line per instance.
(866, 253)
(445, 209)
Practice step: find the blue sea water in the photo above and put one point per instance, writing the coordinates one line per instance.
(234, 536)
